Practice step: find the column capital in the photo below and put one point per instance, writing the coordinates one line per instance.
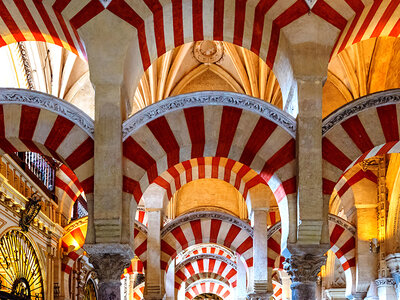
(304, 268)
(393, 263)
(380, 282)
(109, 260)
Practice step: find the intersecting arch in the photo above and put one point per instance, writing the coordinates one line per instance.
(36, 122)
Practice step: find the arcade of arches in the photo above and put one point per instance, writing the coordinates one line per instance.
(199, 149)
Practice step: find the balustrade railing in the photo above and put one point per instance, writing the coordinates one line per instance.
(44, 168)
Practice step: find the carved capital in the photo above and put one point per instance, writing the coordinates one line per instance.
(393, 263)
(384, 282)
(304, 268)
(109, 260)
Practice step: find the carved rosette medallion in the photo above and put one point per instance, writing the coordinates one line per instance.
(304, 268)
(208, 52)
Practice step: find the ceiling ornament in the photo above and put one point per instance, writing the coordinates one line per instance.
(208, 52)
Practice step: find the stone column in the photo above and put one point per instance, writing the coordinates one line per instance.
(170, 281)
(393, 263)
(309, 123)
(286, 282)
(259, 287)
(181, 292)
(241, 288)
(109, 213)
(386, 288)
(304, 270)
(153, 288)
(109, 262)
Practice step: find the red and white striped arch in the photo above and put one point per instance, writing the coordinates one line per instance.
(232, 130)
(275, 260)
(138, 292)
(342, 240)
(67, 188)
(344, 188)
(70, 259)
(362, 129)
(237, 174)
(209, 249)
(36, 122)
(211, 264)
(379, 18)
(198, 277)
(136, 266)
(343, 244)
(206, 227)
(162, 26)
(140, 242)
(52, 21)
(351, 178)
(209, 286)
(141, 215)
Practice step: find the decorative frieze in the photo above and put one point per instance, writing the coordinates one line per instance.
(259, 107)
(355, 107)
(51, 103)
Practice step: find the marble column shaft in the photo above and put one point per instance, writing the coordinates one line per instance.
(241, 288)
(258, 283)
(108, 165)
(170, 281)
(309, 144)
(153, 288)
